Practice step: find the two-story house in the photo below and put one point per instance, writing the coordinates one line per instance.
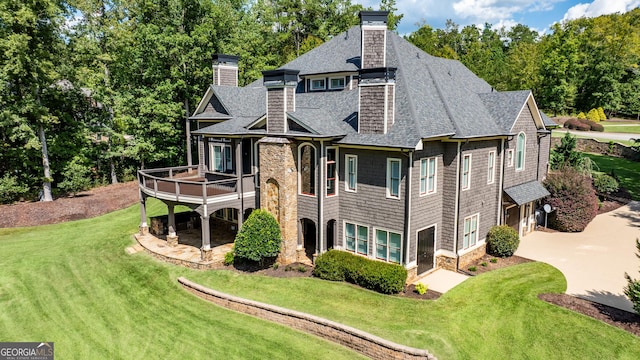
(366, 144)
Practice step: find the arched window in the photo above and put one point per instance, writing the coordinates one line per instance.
(307, 169)
(520, 145)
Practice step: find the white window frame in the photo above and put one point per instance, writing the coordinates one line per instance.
(324, 84)
(491, 167)
(510, 157)
(347, 174)
(470, 236)
(225, 153)
(344, 83)
(356, 238)
(426, 175)
(391, 161)
(522, 151)
(335, 173)
(386, 245)
(466, 175)
(315, 172)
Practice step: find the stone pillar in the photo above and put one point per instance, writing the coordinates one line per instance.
(205, 251)
(279, 191)
(144, 227)
(172, 238)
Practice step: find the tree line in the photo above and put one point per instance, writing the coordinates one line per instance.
(92, 90)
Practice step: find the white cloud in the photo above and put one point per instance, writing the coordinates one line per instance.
(600, 7)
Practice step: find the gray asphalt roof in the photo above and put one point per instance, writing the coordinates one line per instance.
(527, 192)
(434, 97)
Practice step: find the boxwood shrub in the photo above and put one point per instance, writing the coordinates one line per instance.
(375, 275)
(259, 237)
(502, 241)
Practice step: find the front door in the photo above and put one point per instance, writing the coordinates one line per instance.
(512, 218)
(426, 249)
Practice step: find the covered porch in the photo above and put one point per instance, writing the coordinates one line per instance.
(519, 206)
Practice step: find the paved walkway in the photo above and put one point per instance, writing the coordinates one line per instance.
(602, 136)
(595, 260)
(442, 280)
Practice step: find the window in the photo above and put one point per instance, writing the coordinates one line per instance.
(388, 246)
(317, 84)
(336, 83)
(393, 178)
(221, 159)
(470, 231)
(520, 151)
(510, 157)
(352, 172)
(428, 176)
(466, 172)
(356, 238)
(332, 171)
(491, 167)
(307, 169)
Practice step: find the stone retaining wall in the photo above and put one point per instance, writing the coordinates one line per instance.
(360, 341)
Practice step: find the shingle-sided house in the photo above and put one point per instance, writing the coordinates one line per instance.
(366, 144)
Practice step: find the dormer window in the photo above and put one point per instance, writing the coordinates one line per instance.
(318, 84)
(336, 83)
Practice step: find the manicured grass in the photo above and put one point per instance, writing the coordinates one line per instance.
(73, 284)
(627, 172)
(621, 128)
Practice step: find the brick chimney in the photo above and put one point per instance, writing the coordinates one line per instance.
(374, 38)
(377, 100)
(281, 97)
(225, 69)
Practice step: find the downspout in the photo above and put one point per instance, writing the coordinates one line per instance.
(407, 211)
(457, 209)
(500, 189)
(321, 195)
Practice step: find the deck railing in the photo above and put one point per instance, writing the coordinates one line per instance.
(183, 183)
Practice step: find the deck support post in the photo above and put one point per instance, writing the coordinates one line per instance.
(144, 227)
(205, 251)
(240, 181)
(172, 238)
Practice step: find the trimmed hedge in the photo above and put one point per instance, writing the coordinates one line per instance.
(574, 199)
(374, 275)
(259, 237)
(502, 241)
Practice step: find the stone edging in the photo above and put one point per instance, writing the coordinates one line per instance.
(170, 260)
(357, 340)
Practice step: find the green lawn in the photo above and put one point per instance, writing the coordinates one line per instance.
(559, 134)
(622, 128)
(627, 171)
(74, 284)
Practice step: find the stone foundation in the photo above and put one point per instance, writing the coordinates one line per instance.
(412, 275)
(446, 263)
(143, 230)
(470, 257)
(206, 254)
(172, 240)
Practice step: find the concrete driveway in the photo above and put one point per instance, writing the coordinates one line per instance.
(595, 260)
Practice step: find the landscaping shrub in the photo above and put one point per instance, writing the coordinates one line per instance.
(228, 258)
(76, 176)
(259, 237)
(574, 199)
(421, 288)
(502, 241)
(571, 124)
(597, 127)
(593, 115)
(605, 184)
(601, 114)
(582, 127)
(370, 274)
(11, 190)
(632, 290)
(581, 115)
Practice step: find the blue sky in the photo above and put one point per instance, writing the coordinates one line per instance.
(537, 14)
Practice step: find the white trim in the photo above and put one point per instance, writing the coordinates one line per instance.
(435, 242)
(324, 84)
(468, 185)
(337, 171)
(344, 83)
(375, 244)
(408, 199)
(344, 237)
(457, 208)
(320, 226)
(315, 164)
(524, 151)
(510, 157)
(346, 173)
(477, 230)
(388, 184)
(491, 167)
(385, 108)
(501, 173)
(435, 176)
(479, 243)
(285, 119)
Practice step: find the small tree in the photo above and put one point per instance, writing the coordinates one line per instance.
(573, 197)
(259, 237)
(601, 114)
(565, 154)
(11, 190)
(632, 290)
(76, 176)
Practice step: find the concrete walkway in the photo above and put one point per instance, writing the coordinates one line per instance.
(442, 280)
(595, 260)
(602, 136)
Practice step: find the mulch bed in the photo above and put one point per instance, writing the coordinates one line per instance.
(280, 271)
(410, 292)
(624, 320)
(87, 204)
(484, 264)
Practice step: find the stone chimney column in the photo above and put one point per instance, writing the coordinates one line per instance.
(225, 70)
(281, 97)
(376, 113)
(374, 38)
